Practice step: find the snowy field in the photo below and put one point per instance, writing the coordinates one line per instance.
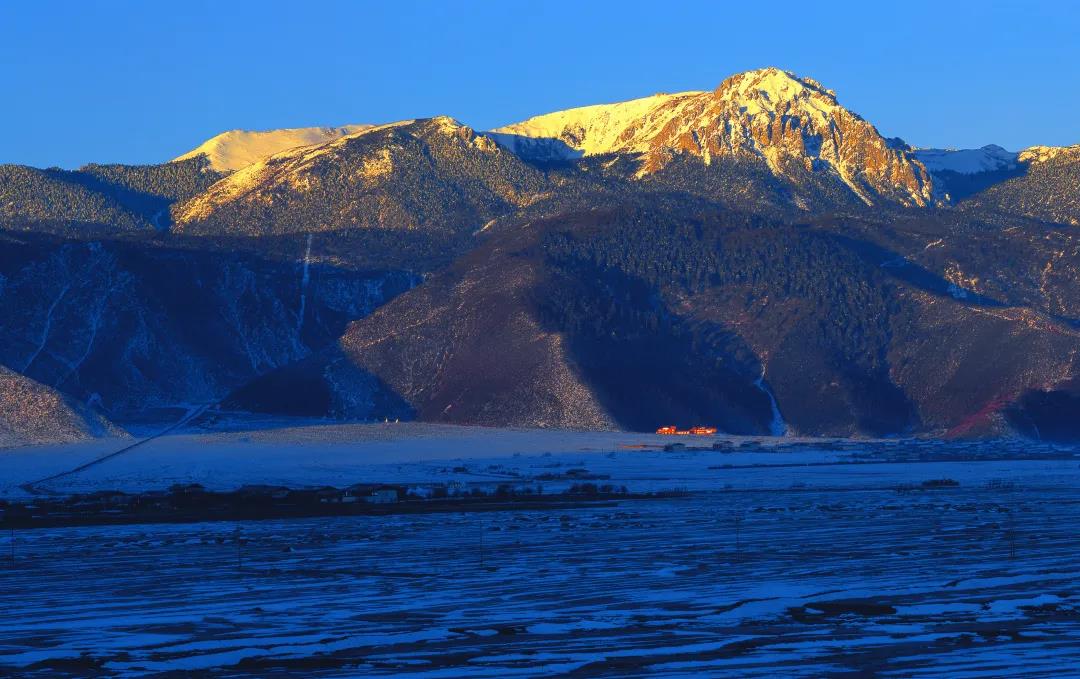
(792, 583)
(782, 561)
(298, 454)
(294, 454)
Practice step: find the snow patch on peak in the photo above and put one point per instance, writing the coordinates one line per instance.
(594, 130)
(235, 149)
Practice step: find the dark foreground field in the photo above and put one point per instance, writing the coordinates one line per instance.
(978, 579)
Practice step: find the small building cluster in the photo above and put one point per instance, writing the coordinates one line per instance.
(672, 430)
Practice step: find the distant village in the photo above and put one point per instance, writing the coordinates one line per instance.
(193, 502)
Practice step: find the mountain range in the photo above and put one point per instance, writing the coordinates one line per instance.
(757, 257)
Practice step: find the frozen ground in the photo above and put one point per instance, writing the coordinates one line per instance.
(293, 454)
(977, 582)
(785, 561)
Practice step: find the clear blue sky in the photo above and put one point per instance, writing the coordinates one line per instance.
(142, 81)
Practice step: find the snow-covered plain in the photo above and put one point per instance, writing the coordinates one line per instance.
(786, 560)
(301, 453)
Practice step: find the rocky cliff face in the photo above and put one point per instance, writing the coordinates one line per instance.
(793, 124)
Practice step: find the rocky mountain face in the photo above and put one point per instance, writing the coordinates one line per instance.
(793, 124)
(755, 257)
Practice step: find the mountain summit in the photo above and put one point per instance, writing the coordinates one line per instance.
(235, 149)
(428, 172)
(794, 124)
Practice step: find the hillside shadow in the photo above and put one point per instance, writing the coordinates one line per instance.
(1047, 415)
(542, 152)
(962, 186)
(143, 204)
(899, 267)
(306, 389)
(903, 269)
(647, 366)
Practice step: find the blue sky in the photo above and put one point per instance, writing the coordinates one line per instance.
(142, 82)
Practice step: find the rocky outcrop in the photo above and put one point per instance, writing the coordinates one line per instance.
(31, 413)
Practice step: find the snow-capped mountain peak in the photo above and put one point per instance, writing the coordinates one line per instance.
(794, 124)
(770, 89)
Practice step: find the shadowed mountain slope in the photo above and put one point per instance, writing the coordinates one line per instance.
(635, 318)
(97, 200)
(1049, 189)
(135, 323)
